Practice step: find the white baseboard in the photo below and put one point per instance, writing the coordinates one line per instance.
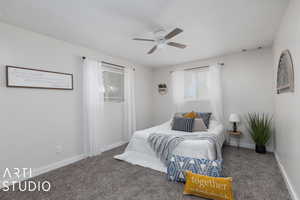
(112, 146)
(57, 165)
(243, 145)
(62, 163)
(282, 170)
(246, 145)
(42, 170)
(286, 179)
(45, 169)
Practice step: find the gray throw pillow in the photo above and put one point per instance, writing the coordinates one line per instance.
(199, 125)
(179, 114)
(183, 124)
(205, 116)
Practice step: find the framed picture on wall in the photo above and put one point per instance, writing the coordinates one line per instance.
(285, 73)
(20, 77)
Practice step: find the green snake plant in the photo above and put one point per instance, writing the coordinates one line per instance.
(260, 127)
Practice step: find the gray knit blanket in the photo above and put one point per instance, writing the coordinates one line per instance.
(163, 145)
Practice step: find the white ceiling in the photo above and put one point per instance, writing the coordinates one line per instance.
(211, 27)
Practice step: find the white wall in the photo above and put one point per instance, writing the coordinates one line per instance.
(287, 105)
(143, 96)
(247, 84)
(33, 122)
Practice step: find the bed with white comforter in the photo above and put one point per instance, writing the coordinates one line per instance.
(139, 152)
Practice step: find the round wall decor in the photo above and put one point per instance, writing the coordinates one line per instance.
(285, 73)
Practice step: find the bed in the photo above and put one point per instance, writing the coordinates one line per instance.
(139, 152)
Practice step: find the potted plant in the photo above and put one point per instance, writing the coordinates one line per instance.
(260, 129)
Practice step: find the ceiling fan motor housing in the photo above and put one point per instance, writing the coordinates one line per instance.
(160, 38)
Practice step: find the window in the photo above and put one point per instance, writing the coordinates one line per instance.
(113, 81)
(195, 85)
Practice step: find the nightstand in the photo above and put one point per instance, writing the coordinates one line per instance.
(237, 135)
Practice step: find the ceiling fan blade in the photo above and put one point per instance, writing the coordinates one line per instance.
(152, 50)
(178, 45)
(173, 33)
(142, 39)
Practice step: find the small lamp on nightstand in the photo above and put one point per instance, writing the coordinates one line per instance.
(234, 118)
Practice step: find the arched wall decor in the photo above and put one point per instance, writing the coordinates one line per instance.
(285, 73)
(162, 89)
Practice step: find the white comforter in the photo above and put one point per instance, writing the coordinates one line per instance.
(139, 152)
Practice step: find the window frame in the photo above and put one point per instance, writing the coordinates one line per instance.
(117, 71)
(198, 97)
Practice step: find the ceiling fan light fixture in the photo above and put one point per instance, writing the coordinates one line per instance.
(161, 43)
(162, 39)
(161, 46)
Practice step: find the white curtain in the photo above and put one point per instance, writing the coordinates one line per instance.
(129, 103)
(93, 101)
(178, 89)
(214, 84)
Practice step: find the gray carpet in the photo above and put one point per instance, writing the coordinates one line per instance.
(255, 177)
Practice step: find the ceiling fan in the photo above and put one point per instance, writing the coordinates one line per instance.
(161, 39)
